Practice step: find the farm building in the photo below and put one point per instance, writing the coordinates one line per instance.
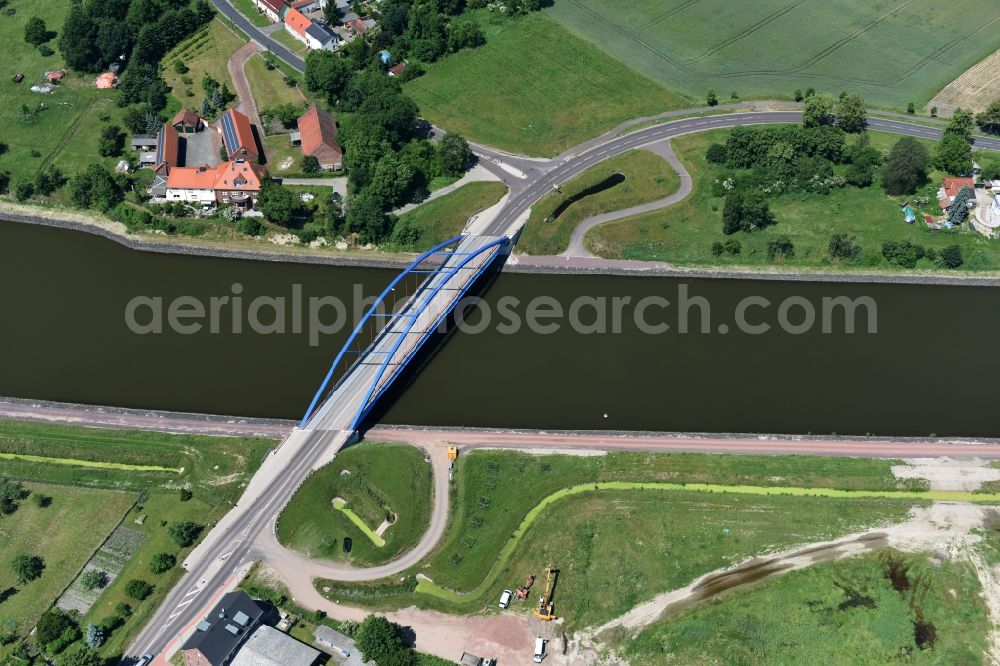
(227, 627)
(144, 142)
(318, 134)
(187, 122)
(360, 26)
(270, 647)
(237, 136)
(397, 69)
(234, 182)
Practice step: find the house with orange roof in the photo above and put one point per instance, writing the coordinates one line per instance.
(318, 134)
(949, 190)
(234, 183)
(313, 35)
(237, 136)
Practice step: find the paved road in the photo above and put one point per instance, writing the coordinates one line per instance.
(262, 38)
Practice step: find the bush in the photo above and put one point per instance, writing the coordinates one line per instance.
(40, 500)
(716, 153)
(185, 494)
(45, 50)
(745, 212)
(24, 191)
(250, 226)
(717, 249)
(138, 589)
(902, 253)
(162, 562)
(184, 533)
(780, 248)
(94, 579)
(843, 247)
(950, 257)
(732, 246)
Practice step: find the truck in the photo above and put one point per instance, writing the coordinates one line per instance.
(473, 660)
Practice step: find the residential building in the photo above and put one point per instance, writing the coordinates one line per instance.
(187, 122)
(949, 190)
(237, 136)
(318, 135)
(296, 24)
(223, 632)
(321, 38)
(360, 26)
(305, 6)
(270, 647)
(234, 183)
(272, 9)
(987, 218)
(397, 69)
(343, 648)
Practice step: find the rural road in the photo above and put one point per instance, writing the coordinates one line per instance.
(237, 72)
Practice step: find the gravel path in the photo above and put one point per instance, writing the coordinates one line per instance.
(577, 247)
(237, 72)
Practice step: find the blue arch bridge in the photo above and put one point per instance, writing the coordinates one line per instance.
(394, 329)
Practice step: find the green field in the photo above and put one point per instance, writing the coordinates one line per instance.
(376, 480)
(64, 534)
(247, 8)
(205, 52)
(214, 469)
(683, 233)
(854, 611)
(534, 88)
(268, 86)
(67, 130)
(446, 216)
(890, 52)
(647, 178)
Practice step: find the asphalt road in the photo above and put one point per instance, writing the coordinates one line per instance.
(256, 35)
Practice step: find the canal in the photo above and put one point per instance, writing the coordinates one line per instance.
(929, 369)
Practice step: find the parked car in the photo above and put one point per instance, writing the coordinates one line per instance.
(539, 650)
(145, 659)
(505, 598)
(347, 544)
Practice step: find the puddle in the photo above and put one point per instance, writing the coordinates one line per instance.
(606, 184)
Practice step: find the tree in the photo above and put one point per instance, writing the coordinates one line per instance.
(78, 41)
(279, 204)
(35, 31)
(934, 112)
(378, 639)
(797, 95)
(185, 494)
(906, 167)
(843, 247)
(24, 190)
(138, 589)
(184, 533)
(11, 494)
(951, 257)
(745, 212)
(453, 155)
(817, 110)
(961, 124)
(902, 253)
(310, 164)
(716, 153)
(4, 181)
(366, 217)
(852, 115)
(328, 74)
(97, 187)
(464, 35)
(911, 109)
(94, 579)
(953, 155)
(27, 568)
(780, 248)
(331, 12)
(162, 562)
(94, 636)
(112, 142)
(79, 655)
(711, 98)
(989, 119)
(41, 501)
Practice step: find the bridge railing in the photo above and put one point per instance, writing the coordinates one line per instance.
(377, 310)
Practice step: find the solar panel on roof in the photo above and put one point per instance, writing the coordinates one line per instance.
(229, 133)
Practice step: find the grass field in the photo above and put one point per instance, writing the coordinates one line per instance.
(683, 234)
(205, 52)
(375, 480)
(286, 40)
(534, 88)
(889, 51)
(846, 612)
(446, 216)
(64, 534)
(647, 178)
(268, 86)
(252, 14)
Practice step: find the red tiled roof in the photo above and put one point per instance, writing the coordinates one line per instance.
(274, 5)
(171, 145)
(319, 136)
(192, 178)
(953, 185)
(398, 69)
(357, 25)
(228, 176)
(187, 117)
(244, 138)
(297, 21)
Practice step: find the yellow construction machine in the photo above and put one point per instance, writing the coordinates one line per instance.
(544, 611)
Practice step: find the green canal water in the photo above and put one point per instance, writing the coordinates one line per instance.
(930, 368)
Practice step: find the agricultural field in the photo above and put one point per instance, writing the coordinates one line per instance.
(268, 86)
(378, 482)
(64, 534)
(205, 52)
(446, 216)
(484, 518)
(147, 470)
(890, 52)
(66, 130)
(647, 178)
(882, 608)
(684, 233)
(534, 88)
(973, 89)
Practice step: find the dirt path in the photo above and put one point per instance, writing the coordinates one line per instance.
(577, 247)
(237, 72)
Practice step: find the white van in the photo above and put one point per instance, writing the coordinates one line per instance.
(539, 650)
(505, 598)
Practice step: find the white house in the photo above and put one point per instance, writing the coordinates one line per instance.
(272, 9)
(987, 218)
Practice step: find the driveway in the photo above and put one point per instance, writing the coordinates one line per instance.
(237, 72)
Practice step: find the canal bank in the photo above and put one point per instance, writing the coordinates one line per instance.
(926, 371)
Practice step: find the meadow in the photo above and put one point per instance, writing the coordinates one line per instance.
(446, 216)
(853, 611)
(647, 178)
(890, 52)
(534, 88)
(683, 234)
(204, 53)
(376, 480)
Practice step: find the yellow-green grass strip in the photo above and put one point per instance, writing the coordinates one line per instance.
(427, 587)
(89, 463)
(341, 505)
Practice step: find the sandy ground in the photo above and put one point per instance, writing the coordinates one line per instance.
(946, 473)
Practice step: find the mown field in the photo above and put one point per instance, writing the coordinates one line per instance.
(854, 611)
(446, 216)
(891, 52)
(647, 178)
(213, 469)
(485, 516)
(205, 52)
(534, 88)
(268, 86)
(683, 233)
(376, 480)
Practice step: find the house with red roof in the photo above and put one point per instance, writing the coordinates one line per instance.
(231, 183)
(237, 136)
(272, 9)
(313, 35)
(949, 190)
(187, 122)
(318, 134)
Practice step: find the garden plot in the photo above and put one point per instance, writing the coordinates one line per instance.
(111, 558)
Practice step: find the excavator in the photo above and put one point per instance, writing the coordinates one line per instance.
(544, 611)
(522, 592)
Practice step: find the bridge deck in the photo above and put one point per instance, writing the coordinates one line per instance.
(405, 332)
